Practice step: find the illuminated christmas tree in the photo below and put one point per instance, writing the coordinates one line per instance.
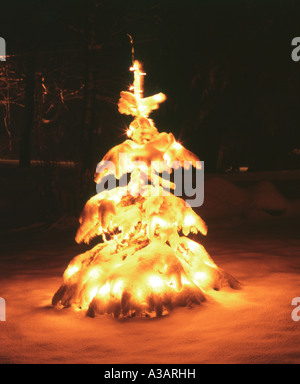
(145, 265)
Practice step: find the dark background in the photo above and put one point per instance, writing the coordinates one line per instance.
(233, 90)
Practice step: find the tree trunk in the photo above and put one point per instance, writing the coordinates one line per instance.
(25, 145)
(89, 111)
(87, 166)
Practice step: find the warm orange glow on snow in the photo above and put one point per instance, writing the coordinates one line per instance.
(146, 265)
(72, 269)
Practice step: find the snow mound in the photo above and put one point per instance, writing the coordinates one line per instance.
(266, 198)
(227, 201)
(223, 199)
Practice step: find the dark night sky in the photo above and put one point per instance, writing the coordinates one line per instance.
(225, 66)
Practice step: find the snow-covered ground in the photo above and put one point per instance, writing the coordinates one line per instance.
(254, 234)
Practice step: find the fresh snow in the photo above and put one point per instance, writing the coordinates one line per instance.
(257, 244)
